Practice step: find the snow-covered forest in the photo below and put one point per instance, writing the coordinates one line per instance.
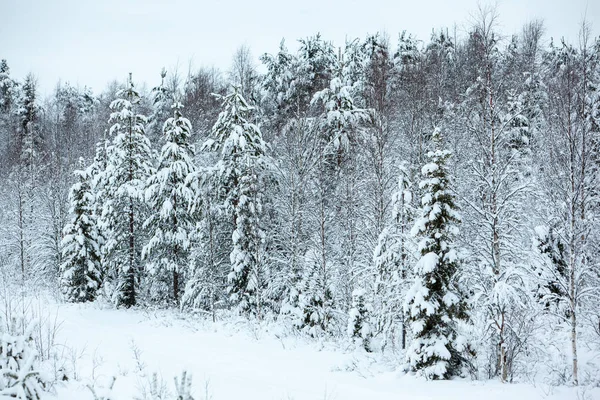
(427, 209)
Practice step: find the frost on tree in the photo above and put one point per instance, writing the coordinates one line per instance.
(209, 256)
(435, 304)
(391, 259)
(332, 257)
(171, 224)
(128, 168)
(82, 269)
(571, 177)
(238, 173)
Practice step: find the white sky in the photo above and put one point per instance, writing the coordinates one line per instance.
(90, 42)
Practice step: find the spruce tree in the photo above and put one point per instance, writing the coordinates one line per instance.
(435, 303)
(171, 224)
(97, 179)
(238, 172)
(551, 272)
(128, 168)
(359, 326)
(161, 109)
(29, 140)
(8, 92)
(82, 269)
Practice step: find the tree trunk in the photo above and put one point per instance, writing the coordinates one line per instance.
(503, 355)
(574, 345)
(176, 286)
(129, 299)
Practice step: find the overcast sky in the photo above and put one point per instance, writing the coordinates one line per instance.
(89, 42)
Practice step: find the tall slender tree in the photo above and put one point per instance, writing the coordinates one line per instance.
(127, 171)
(435, 303)
(238, 172)
(81, 270)
(170, 223)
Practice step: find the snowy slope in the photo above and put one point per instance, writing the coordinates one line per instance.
(239, 364)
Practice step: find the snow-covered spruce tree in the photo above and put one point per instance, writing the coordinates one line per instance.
(359, 326)
(19, 375)
(161, 104)
(82, 269)
(435, 303)
(97, 179)
(238, 172)
(30, 139)
(8, 92)
(171, 223)
(551, 274)
(128, 168)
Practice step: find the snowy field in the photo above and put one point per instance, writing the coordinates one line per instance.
(241, 361)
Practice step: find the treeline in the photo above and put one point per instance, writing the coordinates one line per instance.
(438, 198)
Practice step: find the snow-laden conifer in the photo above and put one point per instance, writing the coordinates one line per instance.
(435, 304)
(128, 168)
(171, 223)
(238, 172)
(359, 320)
(82, 269)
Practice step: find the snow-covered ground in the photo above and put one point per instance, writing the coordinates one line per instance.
(241, 361)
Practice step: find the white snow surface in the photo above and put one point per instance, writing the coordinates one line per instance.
(240, 360)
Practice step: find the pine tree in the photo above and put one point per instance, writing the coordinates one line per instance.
(82, 270)
(128, 168)
(171, 223)
(435, 303)
(238, 173)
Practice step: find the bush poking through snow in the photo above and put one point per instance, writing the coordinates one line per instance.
(19, 376)
(105, 392)
(157, 390)
(184, 387)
